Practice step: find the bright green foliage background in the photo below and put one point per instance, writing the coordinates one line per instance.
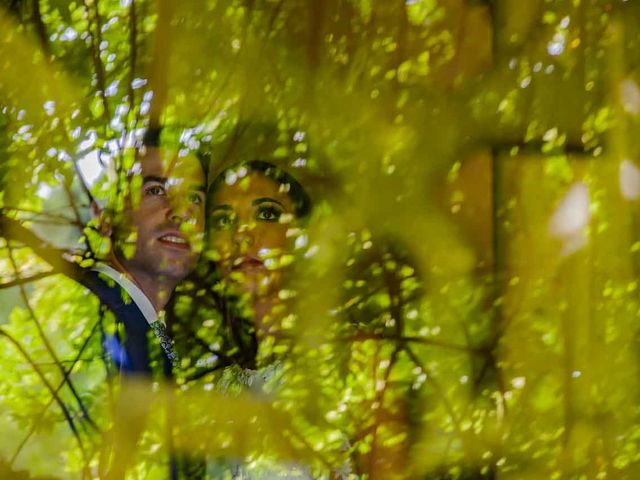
(467, 304)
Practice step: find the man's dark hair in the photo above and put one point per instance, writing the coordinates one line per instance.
(152, 138)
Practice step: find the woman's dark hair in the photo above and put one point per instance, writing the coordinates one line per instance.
(297, 194)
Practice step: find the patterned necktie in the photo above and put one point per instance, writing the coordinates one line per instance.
(165, 341)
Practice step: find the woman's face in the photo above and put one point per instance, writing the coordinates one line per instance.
(249, 222)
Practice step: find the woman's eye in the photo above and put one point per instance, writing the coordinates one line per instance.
(222, 222)
(155, 190)
(196, 198)
(269, 214)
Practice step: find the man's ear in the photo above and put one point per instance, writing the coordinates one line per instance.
(95, 208)
(104, 219)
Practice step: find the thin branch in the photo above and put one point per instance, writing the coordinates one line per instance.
(38, 421)
(47, 344)
(85, 187)
(78, 218)
(133, 53)
(436, 385)
(23, 280)
(301, 438)
(63, 407)
(363, 336)
(59, 223)
(38, 213)
(96, 40)
(393, 290)
(12, 229)
(379, 400)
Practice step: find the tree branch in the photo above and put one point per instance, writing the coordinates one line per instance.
(160, 63)
(41, 29)
(13, 230)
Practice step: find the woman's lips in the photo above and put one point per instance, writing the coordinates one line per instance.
(247, 264)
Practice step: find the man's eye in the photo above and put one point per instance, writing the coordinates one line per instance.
(269, 214)
(155, 190)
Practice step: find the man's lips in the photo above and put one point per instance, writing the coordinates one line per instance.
(174, 239)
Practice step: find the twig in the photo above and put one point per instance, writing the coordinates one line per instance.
(12, 229)
(23, 280)
(55, 395)
(363, 336)
(133, 53)
(61, 218)
(96, 40)
(46, 342)
(37, 422)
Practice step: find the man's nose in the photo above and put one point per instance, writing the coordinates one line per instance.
(179, 211)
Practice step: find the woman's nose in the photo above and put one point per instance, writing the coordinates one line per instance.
(243, 236)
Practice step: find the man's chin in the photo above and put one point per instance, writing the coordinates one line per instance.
(173, 269)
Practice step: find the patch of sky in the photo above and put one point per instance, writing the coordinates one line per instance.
(69, 35)
(556, 46)
(122, 109)
(630, 96)
(88, 142)
(113, 146)
(138, 82)
(44, 190)
(112, 89)
(111, 21)
(49, 107)
(90, 167)
(116, 124)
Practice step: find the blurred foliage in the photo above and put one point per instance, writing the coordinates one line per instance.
(466, 305)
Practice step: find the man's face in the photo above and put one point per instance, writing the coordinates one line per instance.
(249, 223)
(162, 226)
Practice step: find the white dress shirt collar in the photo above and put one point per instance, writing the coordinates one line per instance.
(137, 295)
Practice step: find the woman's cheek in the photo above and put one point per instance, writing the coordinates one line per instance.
(220, 249)
(274, 236)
